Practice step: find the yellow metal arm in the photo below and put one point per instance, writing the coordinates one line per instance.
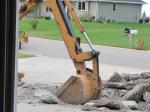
(74, 15)
(87, 84)
(27, 8)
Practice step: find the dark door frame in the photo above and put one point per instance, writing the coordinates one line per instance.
(7, 55)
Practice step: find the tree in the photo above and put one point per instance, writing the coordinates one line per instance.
(144, 15)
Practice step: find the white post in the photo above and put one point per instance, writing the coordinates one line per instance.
(130, 40)
(96, 12)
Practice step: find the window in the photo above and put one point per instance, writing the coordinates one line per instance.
(114, 6)
(81, 6)
(48, 9)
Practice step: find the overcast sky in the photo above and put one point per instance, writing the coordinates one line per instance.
(146, 7)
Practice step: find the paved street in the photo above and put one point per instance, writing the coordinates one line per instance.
(109, 55)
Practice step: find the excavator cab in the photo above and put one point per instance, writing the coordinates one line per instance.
(85, 85)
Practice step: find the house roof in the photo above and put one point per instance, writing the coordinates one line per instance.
(118, 1)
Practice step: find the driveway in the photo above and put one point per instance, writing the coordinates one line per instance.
(109, 55)
(52, 70)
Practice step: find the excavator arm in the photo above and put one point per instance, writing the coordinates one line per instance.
(86, 84)
(27, 8)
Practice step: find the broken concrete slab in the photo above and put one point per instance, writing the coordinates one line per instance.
(36, 93)
(109, 104)
(131, 111)
(130, 104)
(47, 97)
(129, 77)
(116, 78)
(132, 84)
(92, 108)
(145, 75)
(98, 103)
(89, 108)
(20, 83)
(116, 85)
(115, 105)
(133, 77)
(136, 93)
(49, 100)
(104, 109)
(125, 76)
(146, 97)
(113, 93)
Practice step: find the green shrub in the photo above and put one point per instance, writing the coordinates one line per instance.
(47, 18)
(141, 21)
(40, 17)
(147, 20)
(113, 21)
(108, 21)
(99, 21)
(34, 23)
(91, 18)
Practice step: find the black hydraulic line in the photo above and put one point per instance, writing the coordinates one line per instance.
(67, 21)
(65, 17)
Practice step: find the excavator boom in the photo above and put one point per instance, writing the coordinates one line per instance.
(85, 85)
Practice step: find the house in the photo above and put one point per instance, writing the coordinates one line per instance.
(115, 10)
(40, 11)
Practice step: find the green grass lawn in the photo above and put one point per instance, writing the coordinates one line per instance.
(20, 55)
(109, 34)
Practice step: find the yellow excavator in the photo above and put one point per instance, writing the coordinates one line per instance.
(86, 84)
(23, 38)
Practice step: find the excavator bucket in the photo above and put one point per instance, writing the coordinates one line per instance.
(81, 88)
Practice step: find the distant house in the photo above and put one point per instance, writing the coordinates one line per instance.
(44, 11)
(116, 10)
(40, 11)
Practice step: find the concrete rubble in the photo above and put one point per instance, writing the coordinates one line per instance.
(121, 93)
(37, 93)
(146, 97)
(126, 93)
